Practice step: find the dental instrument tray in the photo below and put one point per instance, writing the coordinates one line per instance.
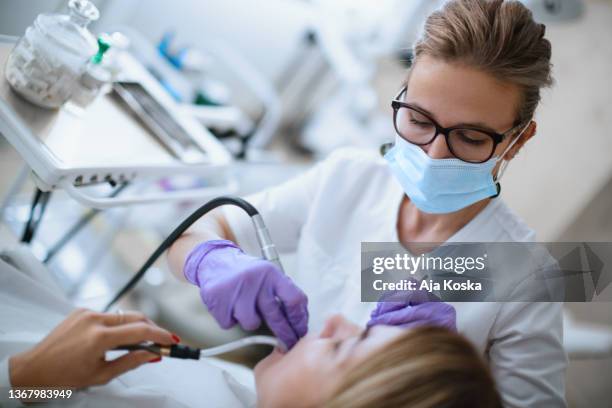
(76, 150)
(159, 121)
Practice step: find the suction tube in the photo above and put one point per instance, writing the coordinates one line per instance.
(268, 249)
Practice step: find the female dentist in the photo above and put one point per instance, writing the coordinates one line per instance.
(465, 111)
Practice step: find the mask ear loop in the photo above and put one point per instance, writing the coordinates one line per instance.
(504, 165)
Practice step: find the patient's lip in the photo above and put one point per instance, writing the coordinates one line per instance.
(281, 348)
(270, 359)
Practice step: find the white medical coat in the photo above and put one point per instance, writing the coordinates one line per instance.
(323, 216)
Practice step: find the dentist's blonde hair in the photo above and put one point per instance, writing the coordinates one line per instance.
(427, 367)
(499, 37)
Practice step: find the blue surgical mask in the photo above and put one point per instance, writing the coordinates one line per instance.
(441, 186)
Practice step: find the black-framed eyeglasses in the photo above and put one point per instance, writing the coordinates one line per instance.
(467, 143)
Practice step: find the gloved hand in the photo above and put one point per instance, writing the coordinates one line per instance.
(239, 288)
(416, 308)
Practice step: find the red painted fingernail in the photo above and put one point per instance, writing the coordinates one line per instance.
(155, 360)
(176, 338)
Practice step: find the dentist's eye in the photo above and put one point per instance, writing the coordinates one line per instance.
(469, 137)
(416, 119)
(420, 124)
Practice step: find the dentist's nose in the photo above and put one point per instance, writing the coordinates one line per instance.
(438, 149)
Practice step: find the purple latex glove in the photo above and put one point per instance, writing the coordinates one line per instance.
(416, 308)
(239, 288)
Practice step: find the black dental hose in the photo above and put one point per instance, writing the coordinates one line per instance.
(268, 249)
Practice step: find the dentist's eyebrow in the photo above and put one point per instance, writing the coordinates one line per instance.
(419, 107)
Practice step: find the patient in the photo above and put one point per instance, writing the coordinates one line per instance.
(44, 342)
(382, 366)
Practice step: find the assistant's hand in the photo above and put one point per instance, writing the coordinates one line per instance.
(416, 308)
(239, 288)
(73, 354)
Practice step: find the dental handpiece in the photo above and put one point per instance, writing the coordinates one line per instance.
(268, 249)
(186, 352)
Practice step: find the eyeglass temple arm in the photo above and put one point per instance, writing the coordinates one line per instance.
(400, 92)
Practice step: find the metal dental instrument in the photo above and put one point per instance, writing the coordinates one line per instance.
(186, 352)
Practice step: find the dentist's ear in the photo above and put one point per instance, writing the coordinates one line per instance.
(527, 134)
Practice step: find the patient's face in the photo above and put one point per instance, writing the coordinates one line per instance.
(308, 374)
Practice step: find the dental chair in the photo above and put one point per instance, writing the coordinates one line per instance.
(586, 340)
(22, 259)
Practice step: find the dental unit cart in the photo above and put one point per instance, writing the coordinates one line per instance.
(71, 150)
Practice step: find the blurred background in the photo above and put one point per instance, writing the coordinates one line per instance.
(281, 84)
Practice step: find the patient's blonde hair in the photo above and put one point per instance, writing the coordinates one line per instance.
(426, 367)
(499, 37)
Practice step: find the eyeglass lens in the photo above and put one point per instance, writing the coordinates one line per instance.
(467, 144)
